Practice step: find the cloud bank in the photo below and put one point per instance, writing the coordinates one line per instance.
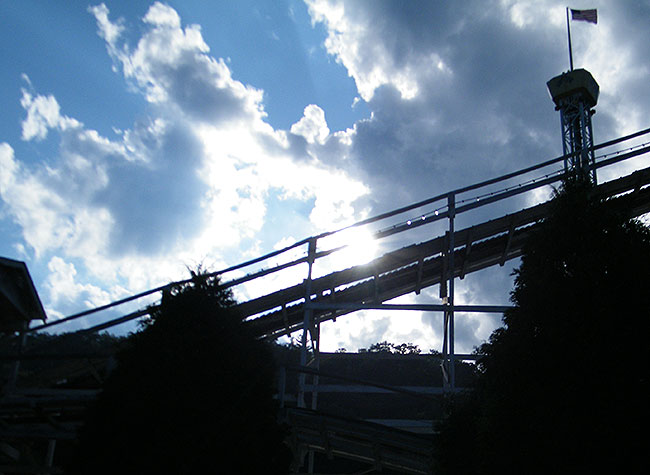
(456, 93)
(190, 179)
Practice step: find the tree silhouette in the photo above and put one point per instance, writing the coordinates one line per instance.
(563, 386)
(192, 394)
(400, 349)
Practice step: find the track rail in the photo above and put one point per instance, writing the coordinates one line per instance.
(57, 414)
(484, 194)
(377, 445)
(415, 267)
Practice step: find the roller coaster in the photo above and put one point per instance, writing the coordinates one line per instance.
(318, 293)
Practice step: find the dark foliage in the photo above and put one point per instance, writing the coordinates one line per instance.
(192, 394)
(563, 386)
(401, 349)
(70, 360)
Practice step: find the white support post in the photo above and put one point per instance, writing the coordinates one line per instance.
(49, 456)
(445, 325)
(315, 345)
(447, 294)
(307, 323)
(451, 204)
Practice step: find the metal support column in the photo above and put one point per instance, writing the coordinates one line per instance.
(451, 204)
(592, 154)
(315, 363)
(311, 332)
(445, 325)
(447, 295)
(308, 331)
(49, 456)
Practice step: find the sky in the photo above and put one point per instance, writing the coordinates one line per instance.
(139, 139)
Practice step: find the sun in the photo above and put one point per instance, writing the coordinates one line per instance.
(360, 247)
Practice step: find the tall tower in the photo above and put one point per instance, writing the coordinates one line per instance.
(575, 93)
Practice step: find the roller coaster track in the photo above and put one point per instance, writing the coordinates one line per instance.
(418, 266)
(52, 414)
(404, 270)
(379, 446)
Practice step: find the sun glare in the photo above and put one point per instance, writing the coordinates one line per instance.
(360, 248)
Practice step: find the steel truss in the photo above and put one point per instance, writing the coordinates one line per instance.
(578, 136)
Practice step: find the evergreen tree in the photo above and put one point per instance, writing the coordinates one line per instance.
(192, 394)
(563, 385)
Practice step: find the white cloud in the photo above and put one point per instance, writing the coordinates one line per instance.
(351, 41)
(163, 15)
(172, 67)
(43, 113)
(64, 291)
(528, 14)
(8, 166)
(187, 183)
(312, 126)
(108, 30)
(456, 93)
(48, 220)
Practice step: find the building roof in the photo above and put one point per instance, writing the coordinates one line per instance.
(19, 301)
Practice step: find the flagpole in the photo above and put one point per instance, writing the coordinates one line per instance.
(568, 29)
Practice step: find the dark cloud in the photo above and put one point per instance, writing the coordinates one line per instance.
(192, 86)
(156, 204)
(486, 111)
(489, 115)
(482, 109)
(373, 331)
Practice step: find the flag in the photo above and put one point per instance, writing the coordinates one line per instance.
(585, 15)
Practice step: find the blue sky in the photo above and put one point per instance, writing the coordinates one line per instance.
(138, 138)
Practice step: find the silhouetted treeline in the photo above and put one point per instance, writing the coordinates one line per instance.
(399, 349)
(64, 360)
(563, 386)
